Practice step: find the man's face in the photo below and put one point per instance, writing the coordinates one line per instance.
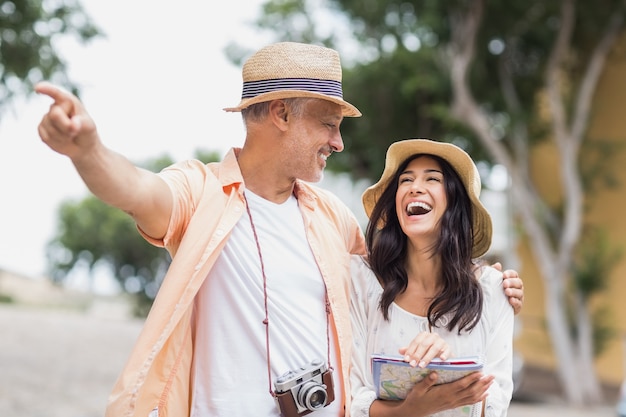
(312, 137)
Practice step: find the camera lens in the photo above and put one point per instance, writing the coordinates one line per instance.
(317, 399)
(312, 396)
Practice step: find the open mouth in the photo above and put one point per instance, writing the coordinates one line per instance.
(417, 208)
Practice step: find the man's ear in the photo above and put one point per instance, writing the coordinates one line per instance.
(279, 113)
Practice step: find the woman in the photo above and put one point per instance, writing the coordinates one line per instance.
(426, 228)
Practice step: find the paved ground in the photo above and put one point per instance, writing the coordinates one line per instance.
(539, 395)
(61, 363)
(56, 363)
(554, 410)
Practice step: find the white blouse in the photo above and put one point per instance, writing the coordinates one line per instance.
(491, 339)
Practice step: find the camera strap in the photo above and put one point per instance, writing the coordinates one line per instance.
(266, 320)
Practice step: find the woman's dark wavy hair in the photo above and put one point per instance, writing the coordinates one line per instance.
(461, 295)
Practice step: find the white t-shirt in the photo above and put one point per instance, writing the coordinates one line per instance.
(230, 376)
(491, 339)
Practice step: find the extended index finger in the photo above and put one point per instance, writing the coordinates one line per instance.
(50, 90)
(60, 96)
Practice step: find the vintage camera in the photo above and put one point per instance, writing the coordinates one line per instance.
(305, 390)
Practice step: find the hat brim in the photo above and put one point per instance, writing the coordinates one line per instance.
(460, 161)
(348, 110)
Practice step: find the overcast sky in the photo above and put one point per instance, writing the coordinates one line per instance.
(156, 84)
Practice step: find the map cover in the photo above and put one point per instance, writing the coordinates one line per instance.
(394, 378)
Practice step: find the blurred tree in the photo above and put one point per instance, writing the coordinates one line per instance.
(495, 77)
(28, 29)
(92, 234)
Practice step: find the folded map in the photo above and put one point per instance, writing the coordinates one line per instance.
(394, 378)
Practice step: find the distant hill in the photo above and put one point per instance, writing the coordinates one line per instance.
(40, 292)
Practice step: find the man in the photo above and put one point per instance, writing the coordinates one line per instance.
(259, 280)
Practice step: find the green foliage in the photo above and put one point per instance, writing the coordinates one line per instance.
(603, 329)
(6, 299)
(157, 164)
(299, 23)
(28, 29)
(408, 41)
(395, 74)
(595, 260)
(596, 161)
(207, 156)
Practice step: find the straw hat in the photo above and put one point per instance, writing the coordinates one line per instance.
(399, 151)
(291, 69)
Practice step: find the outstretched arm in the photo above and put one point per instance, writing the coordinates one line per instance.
(68, 129)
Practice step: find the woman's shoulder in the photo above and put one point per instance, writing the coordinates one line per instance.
(488, 273)
(489, 278)
(494, 298)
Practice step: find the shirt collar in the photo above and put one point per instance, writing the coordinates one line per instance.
(229, 173)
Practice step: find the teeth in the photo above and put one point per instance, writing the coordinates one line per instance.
(418, 207)
(324, 157)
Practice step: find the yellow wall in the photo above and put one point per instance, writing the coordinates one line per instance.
(607, 209)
